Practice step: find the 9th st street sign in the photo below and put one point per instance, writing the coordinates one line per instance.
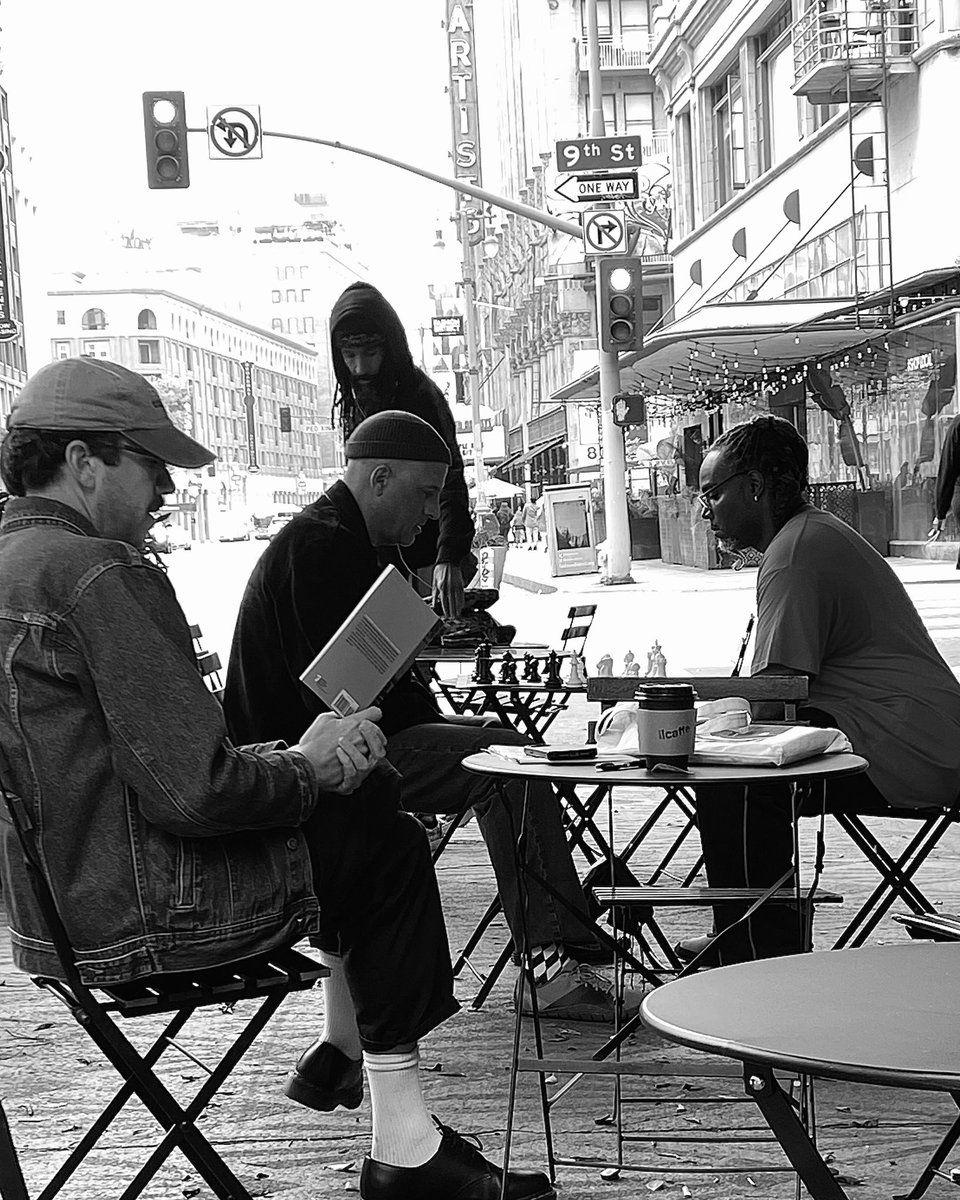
(598, 154)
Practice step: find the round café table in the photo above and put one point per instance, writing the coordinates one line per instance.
(566, 776)
(884, 1015)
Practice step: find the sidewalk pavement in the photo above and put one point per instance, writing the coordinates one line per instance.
(530, 569)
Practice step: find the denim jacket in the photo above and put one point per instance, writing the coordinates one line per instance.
(166, 846)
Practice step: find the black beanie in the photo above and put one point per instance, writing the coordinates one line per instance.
(397, 434)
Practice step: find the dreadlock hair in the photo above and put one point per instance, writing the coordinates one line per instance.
(775, 448)
(31, 458)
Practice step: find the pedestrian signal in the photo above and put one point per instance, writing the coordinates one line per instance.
(285, 426)
(619, 304)
(165, 132)
(629, 410)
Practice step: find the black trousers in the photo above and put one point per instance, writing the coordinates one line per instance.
(746, 834)
(380, 908)
(429, 756)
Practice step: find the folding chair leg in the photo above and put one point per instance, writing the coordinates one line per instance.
(896, 875)
(12, 1184)
(929, 1172)
(463, 958)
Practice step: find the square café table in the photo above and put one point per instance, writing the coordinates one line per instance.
(884, 1015)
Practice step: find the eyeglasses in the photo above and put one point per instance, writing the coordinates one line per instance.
(706, 496)
(156, 466)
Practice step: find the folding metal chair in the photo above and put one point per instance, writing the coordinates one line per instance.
(267, 977)
(897, 871)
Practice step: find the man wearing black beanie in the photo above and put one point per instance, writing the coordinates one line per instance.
(309, 579)
(375, 372)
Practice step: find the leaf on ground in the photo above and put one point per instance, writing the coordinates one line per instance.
(610, 1173)
(685, 1192)
(655, 1185)
(343, 1166)
(607, 1119)
(842, 1107)
(868, 1123)
(550, 1079)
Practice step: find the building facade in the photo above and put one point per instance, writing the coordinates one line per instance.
(203, 361)
(535, 295)
(13, 358)
(813, 213)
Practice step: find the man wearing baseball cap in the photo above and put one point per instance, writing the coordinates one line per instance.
(148, 815)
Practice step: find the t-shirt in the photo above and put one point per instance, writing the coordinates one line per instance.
(828, 605)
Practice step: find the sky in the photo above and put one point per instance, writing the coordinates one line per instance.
(371, 74)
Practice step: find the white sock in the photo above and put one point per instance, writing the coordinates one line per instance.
(404, 1134)
(339, 1015)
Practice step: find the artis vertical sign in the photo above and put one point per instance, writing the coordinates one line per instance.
(250, 405)
(9, 329)
(463, 99)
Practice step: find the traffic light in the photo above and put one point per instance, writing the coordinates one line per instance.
(165, 132)
(285, 426)
(619, 304)
(629, 410)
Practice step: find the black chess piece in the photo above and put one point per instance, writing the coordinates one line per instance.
(552, 678)
(534, 670)
(529, 666)
(508, 668)
(482, 671)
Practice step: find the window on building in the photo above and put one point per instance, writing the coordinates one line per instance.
(634, 16)
(146, 319)
(277, 324)
(61, 349)
(776, 103)
(61, 316)
(638, 115)
(604, 22)
(289, 272)
(149, 352)
(94, 349)
(275, 296)
(728, 137)
(291, 295)
(683, 177)
(93, 318)
(305, 295)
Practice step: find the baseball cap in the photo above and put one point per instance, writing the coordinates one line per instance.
(97, 396)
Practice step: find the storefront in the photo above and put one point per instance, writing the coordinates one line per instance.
(871, 386)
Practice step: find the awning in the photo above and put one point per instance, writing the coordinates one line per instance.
(718, 346)
(508, 461)
(539, 448)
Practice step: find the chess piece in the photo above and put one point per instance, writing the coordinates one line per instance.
(633, 670)
(577, 675)
(656, 663)
(534, 669)
(529, 667)
(605, 666)
(629, 661)
(508, 668)
(482, 672)
(552, 678)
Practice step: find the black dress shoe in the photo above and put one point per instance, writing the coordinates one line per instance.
(458, 1171)
(324, 1078)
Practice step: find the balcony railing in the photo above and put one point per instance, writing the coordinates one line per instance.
(862, 31)
(621, 55)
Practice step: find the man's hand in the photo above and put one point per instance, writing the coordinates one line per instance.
(343, 750)
(935, 529)
(448, 589)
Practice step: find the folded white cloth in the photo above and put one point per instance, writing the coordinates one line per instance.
(767, 745)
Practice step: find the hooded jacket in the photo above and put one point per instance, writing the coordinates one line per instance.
(402, 385)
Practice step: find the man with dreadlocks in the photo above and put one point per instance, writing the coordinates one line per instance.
(830, 608)
(375, 372)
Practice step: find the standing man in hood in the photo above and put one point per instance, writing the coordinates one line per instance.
(375, 372)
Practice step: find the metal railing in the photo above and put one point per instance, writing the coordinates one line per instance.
(863, 30)
(619, 55)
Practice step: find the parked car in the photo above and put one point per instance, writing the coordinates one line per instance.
(167, 538)
(266, 524)
(234, 527)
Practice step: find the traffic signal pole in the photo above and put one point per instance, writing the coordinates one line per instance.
(617, 568)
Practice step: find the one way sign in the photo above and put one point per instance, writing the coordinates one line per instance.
(581, 188)
(604, 231)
